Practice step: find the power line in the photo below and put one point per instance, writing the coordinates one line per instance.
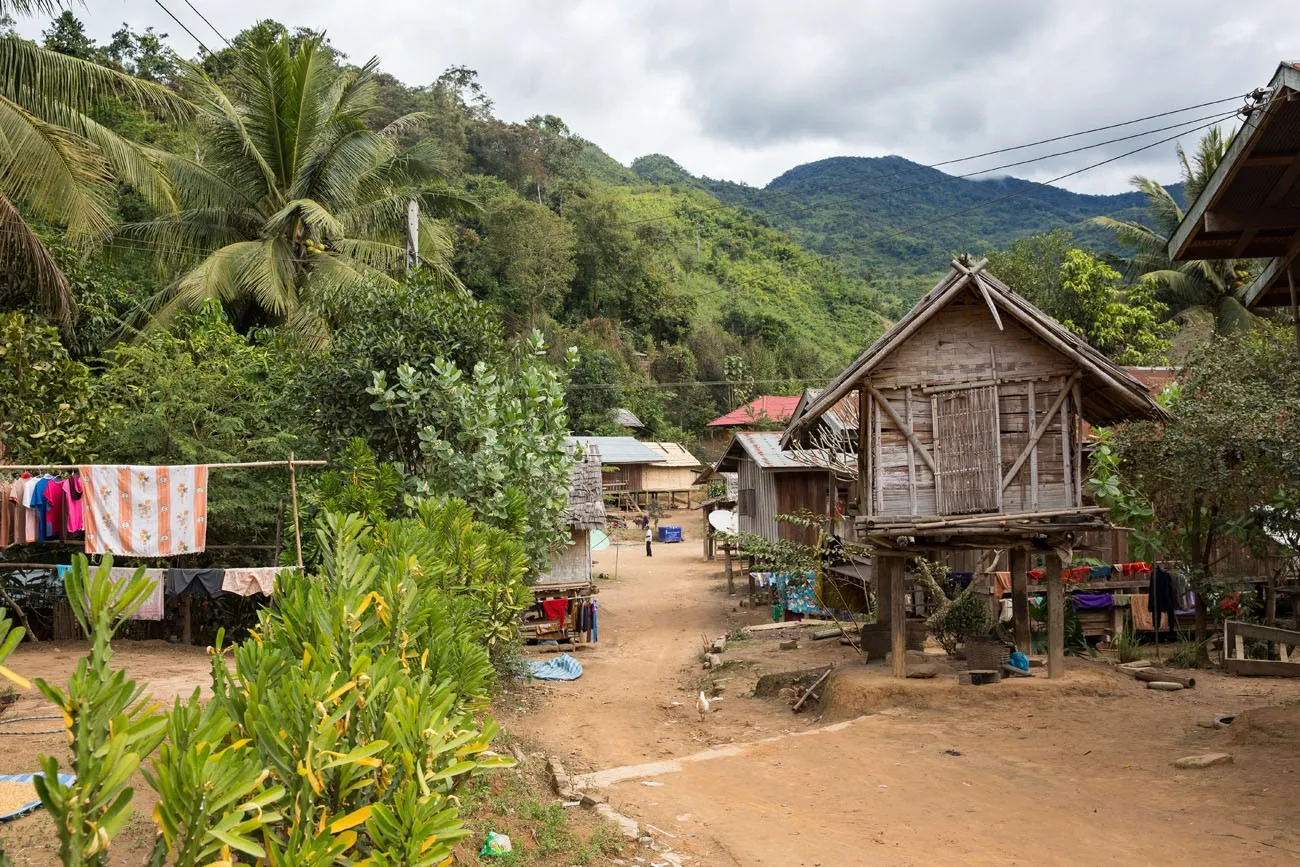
(884, 175)
(183, 27)
(1030, 187)
(207, 22)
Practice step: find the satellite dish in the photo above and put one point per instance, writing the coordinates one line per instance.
(724, 521)
(599, 540)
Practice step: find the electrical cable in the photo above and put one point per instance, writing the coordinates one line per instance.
(209, 23)
(990, 153)
(183, 27)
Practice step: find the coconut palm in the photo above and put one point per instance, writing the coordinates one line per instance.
(292, 198)
(1191, 289)
(58, 166)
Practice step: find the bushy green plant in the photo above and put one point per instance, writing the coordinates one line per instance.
(1127, 645)
(959, 614)
(46, 411)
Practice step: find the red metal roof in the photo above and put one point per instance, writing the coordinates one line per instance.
(768, 408)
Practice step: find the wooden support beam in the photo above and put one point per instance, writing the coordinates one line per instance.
(993, 308)
(911, 456)
(878, 459)
(1066, 459)
(890, 571)
(1076, 431)
(906, 429)
(1042, 428)
(1019, 565)
(1033, 453)
(1055, 617)
(864, 452)
(1252, 220)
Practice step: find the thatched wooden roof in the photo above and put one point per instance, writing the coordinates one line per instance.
(586, 509)
(1110, 393)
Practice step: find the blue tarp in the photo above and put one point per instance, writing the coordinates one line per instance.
(562, 667)
(66, 779)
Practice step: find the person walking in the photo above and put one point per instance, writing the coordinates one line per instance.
(648, 537)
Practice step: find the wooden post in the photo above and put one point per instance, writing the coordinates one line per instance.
(187, 621)
(1055, 617)
(731, 576)
(1019, 565)
(1295, 303)
(293, 495)
(897, 616)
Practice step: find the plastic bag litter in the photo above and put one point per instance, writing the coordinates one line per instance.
(496, 844)
(1019, 660)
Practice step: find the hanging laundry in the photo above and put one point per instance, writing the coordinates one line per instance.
(73, 501)
(188, 582)
(31, 521)
(555, 609)
(53, 511)
(1001, 584)
(1092, 601)
(250, 582)
(152, 608)
(1161, 599)
(1036, 574)
(145, 511)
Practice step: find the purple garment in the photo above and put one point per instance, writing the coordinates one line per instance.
(1089, 601)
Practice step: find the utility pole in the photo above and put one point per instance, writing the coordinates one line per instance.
(412, 235)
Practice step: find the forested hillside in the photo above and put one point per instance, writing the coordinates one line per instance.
(882, 217)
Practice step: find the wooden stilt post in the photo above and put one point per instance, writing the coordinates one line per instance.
(897, 616)
(1295, 302)
(1019, 558)
(731, 575)
(1055, 617)
(293, 495)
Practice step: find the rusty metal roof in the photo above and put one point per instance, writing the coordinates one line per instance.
(764, 449)
(766, 409)
(1250, 208)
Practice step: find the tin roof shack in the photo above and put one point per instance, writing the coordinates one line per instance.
(725, 500)
(971, 408)
(585, 512)
(773, 482)
(622, 460)
(1250, 208)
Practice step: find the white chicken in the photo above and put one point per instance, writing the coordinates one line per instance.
(702, 706)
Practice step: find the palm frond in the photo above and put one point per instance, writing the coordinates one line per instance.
(27, 261)
(53, 173)
(260, 269)
(229, 136)
(199, 187)
(319, 220)
(40, 79)
(130, 163)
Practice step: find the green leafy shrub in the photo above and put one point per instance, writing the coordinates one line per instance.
(959, 614)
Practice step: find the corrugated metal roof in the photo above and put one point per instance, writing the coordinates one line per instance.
(768, 408)
(764, 449)
(674, 455)
(620, 450)
(627, 418)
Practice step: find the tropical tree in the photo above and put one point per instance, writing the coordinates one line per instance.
(60, 165)
(292, 197)
(1198, 289)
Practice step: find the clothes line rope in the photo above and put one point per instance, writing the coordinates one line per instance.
(235, 466)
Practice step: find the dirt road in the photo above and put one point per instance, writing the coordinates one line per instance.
(1031, 772)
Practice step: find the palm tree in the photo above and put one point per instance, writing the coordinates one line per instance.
(58, 166)
(1191, 289)
(292, 197)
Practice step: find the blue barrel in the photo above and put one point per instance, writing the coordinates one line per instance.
(670, 534)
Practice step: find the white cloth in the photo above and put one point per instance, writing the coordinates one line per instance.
(145, 511)
(247, 582)
(152, 609)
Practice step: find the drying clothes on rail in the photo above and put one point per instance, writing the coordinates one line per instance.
(1092, 601)
(1133, 568)
(73, 504)
(1162, 598)
(1100, 573)
(1036, 574)
(1001, 584)
(555, 609)
(187, 582)
(145, 511)
(1077, 574)
(250, 582)
(152, 609)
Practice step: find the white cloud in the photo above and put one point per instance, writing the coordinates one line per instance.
(746, 90)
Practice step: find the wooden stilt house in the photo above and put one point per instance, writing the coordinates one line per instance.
(970, 436)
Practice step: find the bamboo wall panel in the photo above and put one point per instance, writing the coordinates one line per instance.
(571, 565)
(665, 479)
(967, 454)
(953, 347)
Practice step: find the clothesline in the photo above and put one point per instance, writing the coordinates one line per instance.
(232, 466)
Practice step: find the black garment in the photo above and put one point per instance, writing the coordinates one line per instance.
(186, 582)
(647, 548)
(1161, 597)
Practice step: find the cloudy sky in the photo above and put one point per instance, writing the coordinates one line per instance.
(746, 90)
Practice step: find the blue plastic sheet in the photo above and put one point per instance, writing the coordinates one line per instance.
(562, 667)
(66, 779)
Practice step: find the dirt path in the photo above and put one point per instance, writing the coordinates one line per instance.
(1064, 772)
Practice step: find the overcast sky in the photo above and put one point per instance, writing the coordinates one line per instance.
(746, 90)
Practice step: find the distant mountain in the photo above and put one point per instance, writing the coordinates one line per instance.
(855, 208)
